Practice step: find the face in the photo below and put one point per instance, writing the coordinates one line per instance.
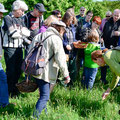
(108, 16)
(82, 11)
(59, 16)
(116, 16)
(69, 21)
(95, 25)
(100, 61)
(1, 15)
(37, 13)
(89, 16)
(18, 13)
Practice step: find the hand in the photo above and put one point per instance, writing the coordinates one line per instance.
(68, 47)
(116, 33)
(101, 40)
(67, 80)
(0, 56)
(106, 93)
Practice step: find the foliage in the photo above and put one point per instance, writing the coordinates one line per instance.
(98, 8)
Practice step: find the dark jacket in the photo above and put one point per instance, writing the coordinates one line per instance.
(66, 42)
(109, 28)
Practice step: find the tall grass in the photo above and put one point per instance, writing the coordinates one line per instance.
(67, 103)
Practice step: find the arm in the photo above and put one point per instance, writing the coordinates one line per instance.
(113, 84)
(59, 56)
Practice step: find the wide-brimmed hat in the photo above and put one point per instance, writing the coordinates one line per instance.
(2, 9)
(40, 7)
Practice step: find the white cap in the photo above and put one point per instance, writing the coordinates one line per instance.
(2, 9)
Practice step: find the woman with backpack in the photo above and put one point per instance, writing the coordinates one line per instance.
(53, 47)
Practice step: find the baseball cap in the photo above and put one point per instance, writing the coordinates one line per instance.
(40, 7)
(2, 9)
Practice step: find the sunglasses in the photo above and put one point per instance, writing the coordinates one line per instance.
(107, 16)
(82, 10)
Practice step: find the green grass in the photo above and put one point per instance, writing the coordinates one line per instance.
(67, 104)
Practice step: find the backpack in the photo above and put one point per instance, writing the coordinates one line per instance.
(34, 63)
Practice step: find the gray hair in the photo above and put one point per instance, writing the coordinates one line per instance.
(108, 13)
(19, 4)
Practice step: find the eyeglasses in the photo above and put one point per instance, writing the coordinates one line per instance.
(90, 15)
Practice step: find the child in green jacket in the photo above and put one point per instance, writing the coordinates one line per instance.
(90, 68)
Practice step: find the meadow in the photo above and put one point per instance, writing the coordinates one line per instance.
(66, 103)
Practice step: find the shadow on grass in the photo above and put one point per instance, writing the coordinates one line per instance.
(84, 106)
(17, 110)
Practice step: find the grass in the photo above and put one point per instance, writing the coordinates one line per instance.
(67, 104)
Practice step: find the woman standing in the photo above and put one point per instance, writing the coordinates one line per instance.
(12, 43)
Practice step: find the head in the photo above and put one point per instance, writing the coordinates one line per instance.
(2, 10)
(67, 18)
(57, 13)
(72, 12)
(96, 22)
(82, 11)
(116, 15)
(59, 26)
(49, 20)
(97, 57)
(89, 16)
(18, 8)
(108, 15)
(38, 10)
(93, 36)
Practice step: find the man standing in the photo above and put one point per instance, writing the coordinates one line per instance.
(4, 98)
(82, 13)
(33, 21)
(108, 16)
(111, 35)
(111, 31)
(82, 27)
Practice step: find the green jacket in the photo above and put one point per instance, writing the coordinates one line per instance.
(90, 48)
(112, 59)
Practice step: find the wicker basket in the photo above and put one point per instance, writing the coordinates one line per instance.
(26, 86)
(79, 44)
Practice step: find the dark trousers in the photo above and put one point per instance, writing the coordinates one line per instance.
(79, 59)
(72, 70)
(13, 60)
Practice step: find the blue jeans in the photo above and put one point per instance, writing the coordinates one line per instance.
(44, 88)
(4, 98)
(90, 75)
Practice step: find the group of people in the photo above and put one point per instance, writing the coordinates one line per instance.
(23, 30)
